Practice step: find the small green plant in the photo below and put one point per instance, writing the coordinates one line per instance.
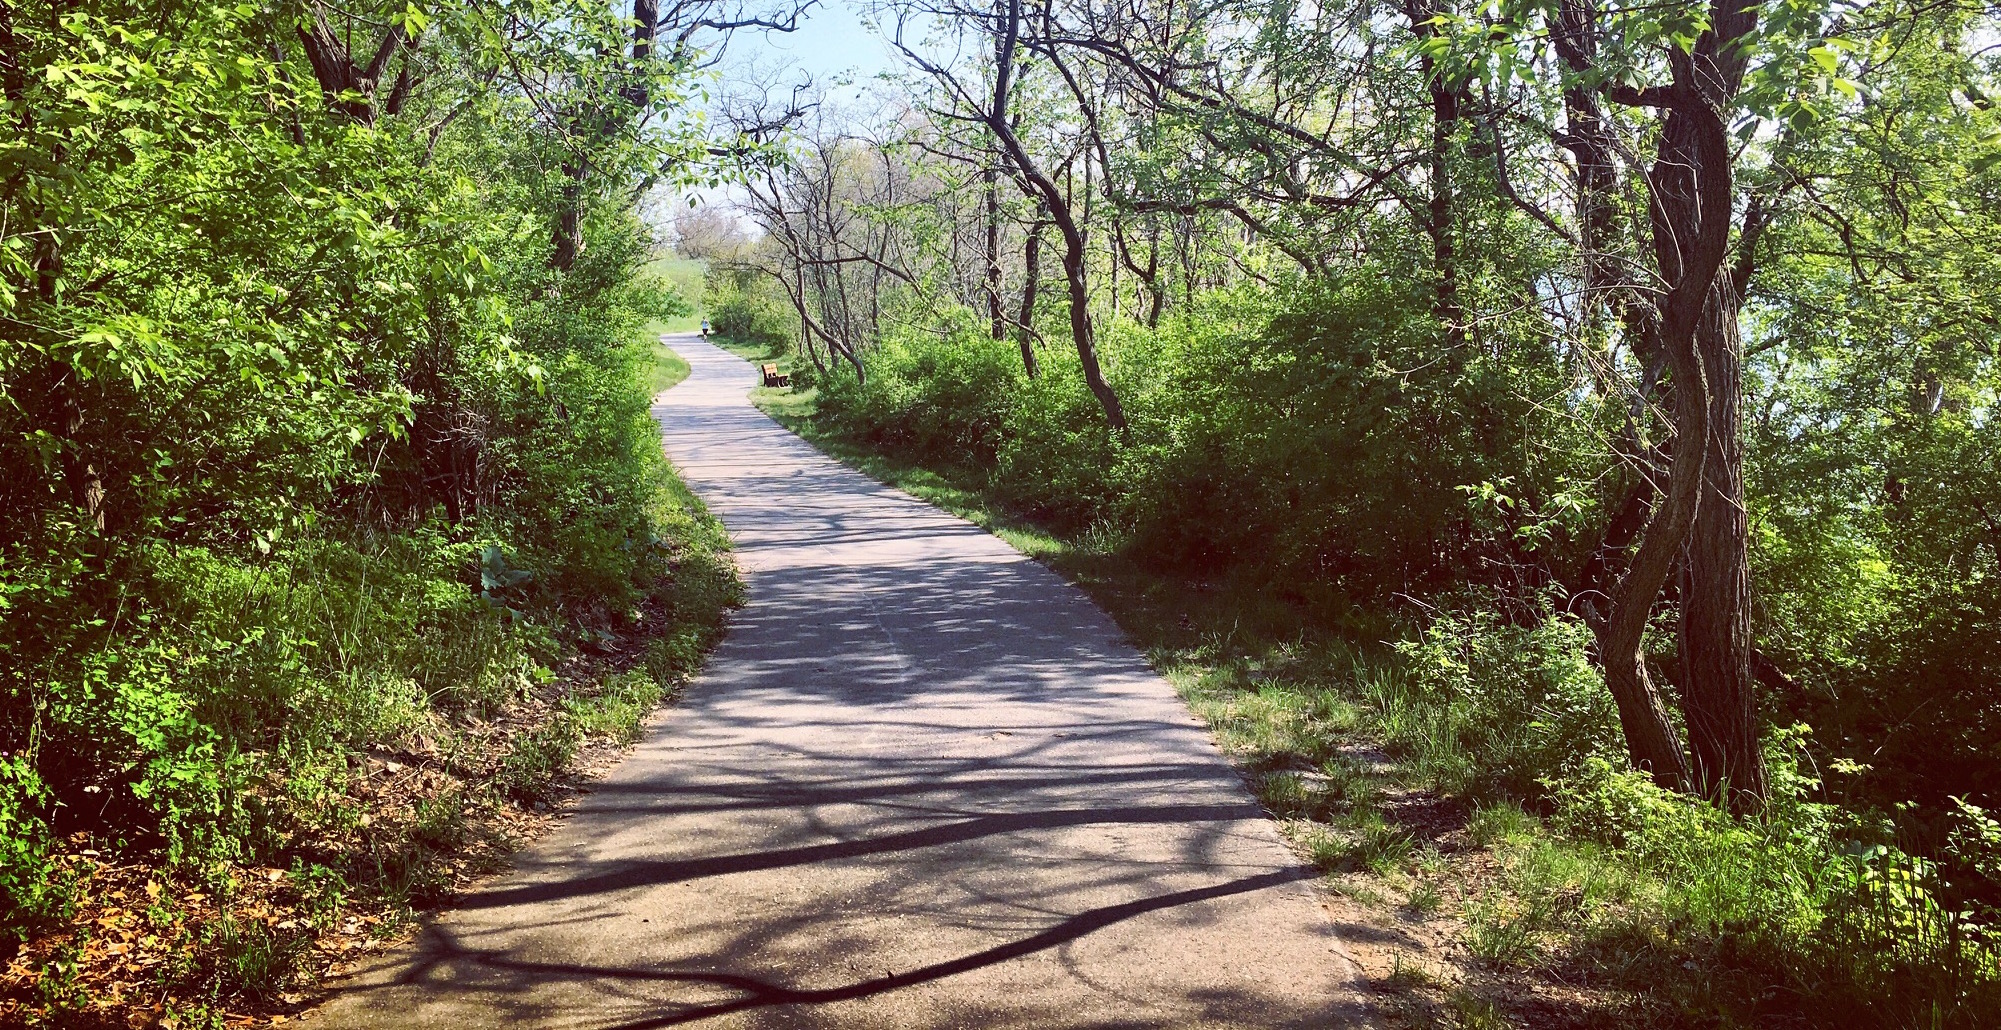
(440, 823)
(1326, 850)
(1285, 795)
(1383, 846)
(1474, 1012)
(1505, 930)
(1349, 784)
(323, 893)
(530, 768)
(1502, 821)
(1405, 975)
(244, 956)
(615, 709)
(1424, 898)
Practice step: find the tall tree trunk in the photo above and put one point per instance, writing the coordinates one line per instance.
(1651, 740)
(1718, 701)
(1441, 223)
(1075, 252)
(567, 237)
(1588, 140)
(995, 315)
(1080, 319)
(1156, 294)
(1031, 274)
(1693, 193)
(1690, 189)
(350, 88)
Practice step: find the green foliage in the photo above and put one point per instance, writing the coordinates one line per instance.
(1491, 710)
(1236, 460)
(615, 708)
(311, 445)
(740, 306)
(530, 767)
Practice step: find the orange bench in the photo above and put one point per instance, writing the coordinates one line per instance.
(773, 377)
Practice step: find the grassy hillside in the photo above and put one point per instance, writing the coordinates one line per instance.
(685, 275)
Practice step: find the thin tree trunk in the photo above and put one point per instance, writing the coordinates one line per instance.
(1440, 220)
(63, 413)
(1080, 319)
(995, 315)
(1156, 294)
(1024, 333)
(1651, 740)
(567, 239)
(1075, 252)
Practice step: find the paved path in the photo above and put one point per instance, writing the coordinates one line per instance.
(923, 784)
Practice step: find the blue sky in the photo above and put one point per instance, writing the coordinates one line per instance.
(832, 41)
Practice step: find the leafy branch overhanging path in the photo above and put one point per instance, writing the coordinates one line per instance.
(924, 783)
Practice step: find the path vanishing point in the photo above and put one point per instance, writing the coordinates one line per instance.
(924, 783)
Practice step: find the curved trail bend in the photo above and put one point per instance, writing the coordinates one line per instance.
(923, 784)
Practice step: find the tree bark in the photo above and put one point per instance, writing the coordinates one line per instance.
(348, 87)
(1441, 222)
(1024, 333)
(567, 237)
(1693, 193)
(1651, 740)
(1587, 138)
(1718, 701)
(995, 316)
(1690, 189)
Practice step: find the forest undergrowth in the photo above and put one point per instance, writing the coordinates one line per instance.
(419, 735)
(1457, 777)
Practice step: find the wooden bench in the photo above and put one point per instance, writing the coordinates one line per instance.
(773, 377)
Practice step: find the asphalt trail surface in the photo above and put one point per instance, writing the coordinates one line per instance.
(924, 783)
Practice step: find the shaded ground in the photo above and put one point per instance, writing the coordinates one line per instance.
(925, 784)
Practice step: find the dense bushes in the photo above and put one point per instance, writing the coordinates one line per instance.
(741, 309)
(309, 442)
(1322, 449)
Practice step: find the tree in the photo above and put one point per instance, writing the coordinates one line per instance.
(1001, 28)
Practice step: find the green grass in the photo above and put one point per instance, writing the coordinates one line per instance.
(686, 276)
(757, 353)
(667, 369)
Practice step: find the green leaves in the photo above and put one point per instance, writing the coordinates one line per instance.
(242, 331)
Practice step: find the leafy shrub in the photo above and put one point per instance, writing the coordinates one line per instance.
(1495, 710)
(1312, 443)
(938, 399)
(741, 307)
(538, 757)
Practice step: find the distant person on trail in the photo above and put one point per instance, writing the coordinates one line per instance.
(705, 328)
